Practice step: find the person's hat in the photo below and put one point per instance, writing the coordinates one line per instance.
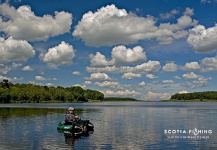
(70, 108)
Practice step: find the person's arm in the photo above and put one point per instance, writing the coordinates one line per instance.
(77, 117)
(67, 118)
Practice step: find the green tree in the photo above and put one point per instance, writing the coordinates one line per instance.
(6, 85)
(4, 95)
(77, 92)
(93, 95)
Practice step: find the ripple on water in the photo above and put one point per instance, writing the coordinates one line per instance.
(119, 127)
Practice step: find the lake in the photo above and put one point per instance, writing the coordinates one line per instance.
(118, 125)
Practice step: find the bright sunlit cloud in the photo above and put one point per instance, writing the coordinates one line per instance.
(123, 49)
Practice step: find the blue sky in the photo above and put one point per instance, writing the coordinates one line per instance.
(144, 49)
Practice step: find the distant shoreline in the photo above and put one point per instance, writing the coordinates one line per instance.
(99, 101)
(192, 100)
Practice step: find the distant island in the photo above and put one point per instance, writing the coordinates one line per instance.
(206, 96)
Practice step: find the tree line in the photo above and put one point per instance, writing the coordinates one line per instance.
(119, 99)
(25, 93)
(208, 95)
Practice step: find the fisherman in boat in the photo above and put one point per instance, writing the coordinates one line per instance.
(74, 123)
(71, 117)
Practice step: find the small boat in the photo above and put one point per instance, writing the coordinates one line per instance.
(77, 127)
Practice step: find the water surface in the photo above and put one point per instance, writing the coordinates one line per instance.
(118, 125)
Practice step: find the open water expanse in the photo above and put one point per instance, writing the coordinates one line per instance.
(118, 125)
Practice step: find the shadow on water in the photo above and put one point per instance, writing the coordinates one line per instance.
(28, 112)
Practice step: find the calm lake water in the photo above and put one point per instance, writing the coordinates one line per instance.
(124, 125)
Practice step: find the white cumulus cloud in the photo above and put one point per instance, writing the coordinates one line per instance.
(11, 79)
(98, 60)
(110, 26)
(156, 96)
(120, 55)
(169, 15)
(190, 75)
(183, 92)
(12, 50)
(16, 65)
(148, 67)
(209, 64)
(202, 39)
(142, 83)
(99, 76)
(108, 84)
(191, 66)
(62, 54)
(76, 73)
(167, 81)
(87, 83)
(131, 75)
(27, 68)
(4, 69)
(40, 78)
(170, 67)
(121, 93)
(22, 23)
(123, 55)
(151, 76)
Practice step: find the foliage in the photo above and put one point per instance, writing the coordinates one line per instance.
(207, 95)
(94, 95)
(24, 93)
(119, 99)
(77, 92)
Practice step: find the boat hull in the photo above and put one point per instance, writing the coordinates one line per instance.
(81, 127)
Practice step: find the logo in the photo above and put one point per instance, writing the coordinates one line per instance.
(195, 133)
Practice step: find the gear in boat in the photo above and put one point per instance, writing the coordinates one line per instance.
(77, 127)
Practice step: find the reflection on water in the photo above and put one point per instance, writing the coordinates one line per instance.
(27, 112)
(70, 140)
(117, 126)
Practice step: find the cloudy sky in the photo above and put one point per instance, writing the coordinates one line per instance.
(144, 49)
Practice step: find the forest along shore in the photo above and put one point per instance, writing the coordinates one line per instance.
(30, 93)
(26, 93)
(206, 96)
